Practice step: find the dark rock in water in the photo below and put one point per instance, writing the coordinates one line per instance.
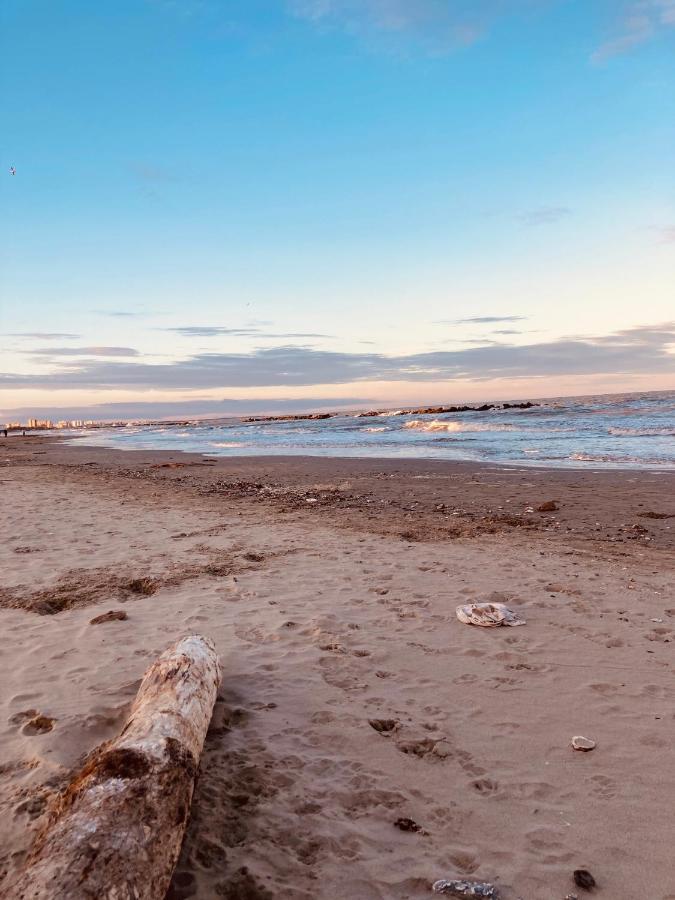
(290, 417)
(548, 506)
(438, 410)
(584, 879)
(113, 615)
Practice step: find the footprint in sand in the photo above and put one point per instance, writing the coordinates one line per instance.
(33, 722)
(33, 807)
(664, 635)
(614, 642)
(38, 725)
(465, 679)
(504, 684)
(419, 748)
(603, 787)
(255, 635)
(549, 846)
(605, 690)
(486, 787)
(465, 861)
(532, 790)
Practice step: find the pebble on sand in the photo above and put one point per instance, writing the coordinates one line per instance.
(584, 879)
(582, 743)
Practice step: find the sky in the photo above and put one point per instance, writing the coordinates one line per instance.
(225, 206)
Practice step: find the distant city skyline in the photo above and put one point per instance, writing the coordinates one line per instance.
(214, 208)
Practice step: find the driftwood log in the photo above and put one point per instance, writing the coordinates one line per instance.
(116, 831)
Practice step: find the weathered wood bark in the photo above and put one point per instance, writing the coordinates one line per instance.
(116, 831)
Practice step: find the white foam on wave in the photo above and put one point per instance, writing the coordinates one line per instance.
(453, 426)
(375, 430)
(610, 458)
(228, 444)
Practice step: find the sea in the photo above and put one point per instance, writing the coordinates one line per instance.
(597, 432)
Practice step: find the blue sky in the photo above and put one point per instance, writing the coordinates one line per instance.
(312, 202)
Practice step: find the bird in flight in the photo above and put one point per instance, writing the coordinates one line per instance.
(12, 170)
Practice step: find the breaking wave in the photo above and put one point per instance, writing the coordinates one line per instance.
(440, 425)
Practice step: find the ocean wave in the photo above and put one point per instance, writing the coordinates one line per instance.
(374, 430)
(228, 444)
(642, 432)
(440, 425)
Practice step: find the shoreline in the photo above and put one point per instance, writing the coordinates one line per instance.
(391, 495)
(329, 586)
(526, 465)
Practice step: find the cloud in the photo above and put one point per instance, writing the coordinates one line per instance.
(439, 24)
(642, 20)
(507, 331)
(643, 350)
(666, 234)
(46, 335)
(83, 351)
(217, 331)
(210, 331)
(545, 215)
(481, 320)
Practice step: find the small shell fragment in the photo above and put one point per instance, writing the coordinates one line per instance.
(582, 743)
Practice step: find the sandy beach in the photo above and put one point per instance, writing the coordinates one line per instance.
(353, 699)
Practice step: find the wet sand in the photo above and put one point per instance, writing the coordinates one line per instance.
(330, 587)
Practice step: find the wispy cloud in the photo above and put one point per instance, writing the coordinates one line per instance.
(118, 313)
(544, 215)
(439, 24)
(666, 234)
(210, 331)
(218, 331)
(45, 335)
(83, 351)
(641, 21)
(481, 320)
(643, 350)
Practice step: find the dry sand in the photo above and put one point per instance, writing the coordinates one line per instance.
(329, 615)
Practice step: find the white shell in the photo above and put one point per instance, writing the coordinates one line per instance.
(582, 743)
(488, 615)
